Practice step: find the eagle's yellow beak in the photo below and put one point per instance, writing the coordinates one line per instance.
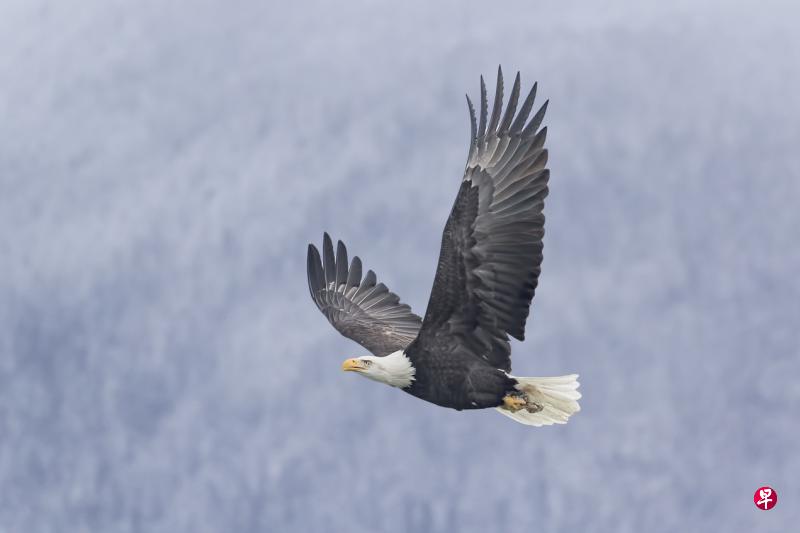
(352, 365)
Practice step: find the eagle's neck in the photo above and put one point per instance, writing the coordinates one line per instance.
(397, 370)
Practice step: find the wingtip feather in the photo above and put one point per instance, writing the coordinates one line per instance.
(473, 124)
(498, 102)
(484, 109)
(536, 121)
(525, 111)
(511, 109)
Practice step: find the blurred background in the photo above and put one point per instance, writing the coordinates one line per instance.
(163, 166)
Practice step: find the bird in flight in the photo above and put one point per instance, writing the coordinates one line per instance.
(459, 355)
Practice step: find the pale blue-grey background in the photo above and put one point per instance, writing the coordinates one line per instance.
(163, 165)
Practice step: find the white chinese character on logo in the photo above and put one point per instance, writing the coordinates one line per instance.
(765, 497)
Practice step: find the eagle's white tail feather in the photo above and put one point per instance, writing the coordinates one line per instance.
(557, 397)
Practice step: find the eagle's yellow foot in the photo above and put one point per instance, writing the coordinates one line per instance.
(514, 402)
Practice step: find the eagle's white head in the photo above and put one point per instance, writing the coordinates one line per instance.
(394, 369)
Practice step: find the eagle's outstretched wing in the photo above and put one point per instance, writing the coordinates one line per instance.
(362, 310)
(491, 249)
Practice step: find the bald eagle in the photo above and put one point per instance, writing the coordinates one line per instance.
(458, 356)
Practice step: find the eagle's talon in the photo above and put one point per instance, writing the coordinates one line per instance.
(514, 402)
(533, 407)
